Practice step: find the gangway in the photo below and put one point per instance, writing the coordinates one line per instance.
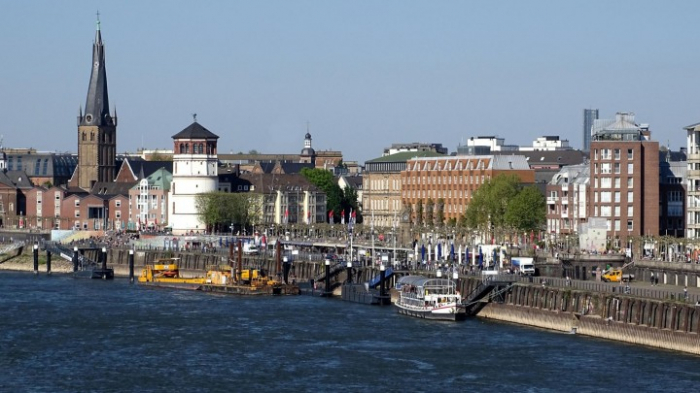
(376, 280)
(7, 248)
(486, 291)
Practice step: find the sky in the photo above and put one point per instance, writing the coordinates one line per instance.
(359, 74)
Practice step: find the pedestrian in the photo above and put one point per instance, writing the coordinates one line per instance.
(651, 279)
(568, 281)
(685, 293)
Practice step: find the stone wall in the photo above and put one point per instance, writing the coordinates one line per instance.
(663, 324)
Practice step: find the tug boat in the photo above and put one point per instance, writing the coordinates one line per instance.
(166, 273)
(429, 298)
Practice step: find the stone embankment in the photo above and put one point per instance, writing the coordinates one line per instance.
(667, 324)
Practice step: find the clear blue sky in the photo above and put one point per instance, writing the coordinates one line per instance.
(364, 74)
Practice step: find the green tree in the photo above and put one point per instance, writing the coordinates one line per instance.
(526, 211)
(220, 209)
(430, 212)
(489, 203)
(440, 212)
(349, 201)
(325, 181)
(419, 212)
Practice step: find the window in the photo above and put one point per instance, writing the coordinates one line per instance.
(605, 182)
(617, 213)
(596, 182)
(617, 168)
(630, 154)
(118, 203)
(630, 211)
(77, 213)
(617, 182)
(595, 154)
(617, 197)
(617, 225)
(605, 211)
(630, 225)
(630, 182)
(605, 196)
(77, 203)
(605, 154)
(630, 168)
(605, 168)
(630, 196)
(617, 154)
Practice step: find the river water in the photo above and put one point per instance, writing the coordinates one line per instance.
(59, 334)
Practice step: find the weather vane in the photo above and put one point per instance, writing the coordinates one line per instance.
(194, 116)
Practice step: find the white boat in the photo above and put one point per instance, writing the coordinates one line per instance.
(429, 298)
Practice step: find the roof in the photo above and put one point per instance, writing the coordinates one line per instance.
(195, 131)
(549, 157)
(161, 179)
(421, 281)
(141, 168)
(405, 156)
(354, 181)
(55, 165)
(267, 182)
(692, 127)
(572, 174)
(109, 189)
(17, 179)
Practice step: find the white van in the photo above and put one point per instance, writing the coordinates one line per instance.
(250, 249)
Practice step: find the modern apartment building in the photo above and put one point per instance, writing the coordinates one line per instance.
(589, 116)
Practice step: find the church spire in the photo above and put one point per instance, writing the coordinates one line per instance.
(97, 102)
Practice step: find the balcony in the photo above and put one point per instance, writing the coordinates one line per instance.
(552, 200)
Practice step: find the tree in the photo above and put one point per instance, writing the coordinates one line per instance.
(349, 201)
(419, 212)
(487, 209)
(526, 211)
(325, 181)
(220, 209)
(440, 212)
(253, 151)
(429, 212)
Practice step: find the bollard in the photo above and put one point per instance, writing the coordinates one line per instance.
(382, 277)
(36, 259)
(48, 262)
(131, 266)
(348, 268)
(75, 259)
(328, 277)
(104, 263)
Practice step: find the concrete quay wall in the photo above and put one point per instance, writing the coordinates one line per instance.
(656, 323)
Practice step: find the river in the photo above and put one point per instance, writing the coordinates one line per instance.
(59, 334)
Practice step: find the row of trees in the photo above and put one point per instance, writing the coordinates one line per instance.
(218, 210)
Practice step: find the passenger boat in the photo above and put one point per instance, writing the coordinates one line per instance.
(429, 298)
(250, 281)
(166, 273)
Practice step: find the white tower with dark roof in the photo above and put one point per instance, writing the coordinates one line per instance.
(194, 172)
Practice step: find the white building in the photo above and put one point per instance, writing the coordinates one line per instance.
(194, 172)
(547, 143)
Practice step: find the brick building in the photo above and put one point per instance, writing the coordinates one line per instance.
(624, 187)
(454, 180)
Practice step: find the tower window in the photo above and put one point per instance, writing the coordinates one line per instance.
(83, 136)
(92, 137)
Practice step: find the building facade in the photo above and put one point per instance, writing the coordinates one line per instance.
(97, 128)
(195, 166)
(693, 182)
(450, 182)
(567, 199)
(589, 116)
(624, 188)
(381, 185)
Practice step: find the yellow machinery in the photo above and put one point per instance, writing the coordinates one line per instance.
(166, 271)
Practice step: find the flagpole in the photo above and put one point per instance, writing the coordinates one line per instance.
(372, 230)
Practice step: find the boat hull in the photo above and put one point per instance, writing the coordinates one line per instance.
(456, 313)
(267, 290)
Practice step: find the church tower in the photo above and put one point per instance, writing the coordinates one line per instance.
(97, 129)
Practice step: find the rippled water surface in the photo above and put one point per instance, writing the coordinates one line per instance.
(60, 334)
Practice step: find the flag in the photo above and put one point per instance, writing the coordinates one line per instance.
(286, 215)
(330, 217)
(342, 217)
(308, 217)
(354, 217)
